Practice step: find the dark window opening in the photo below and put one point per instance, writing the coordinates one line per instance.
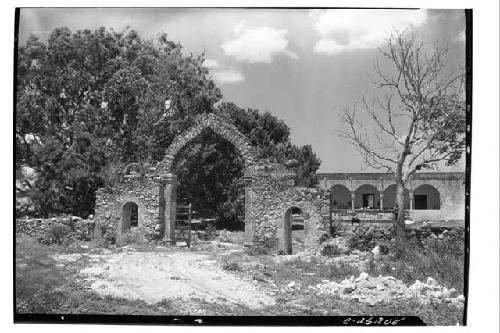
(420, 201)
(368, 201)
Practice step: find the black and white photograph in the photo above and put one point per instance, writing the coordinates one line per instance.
(254, 166)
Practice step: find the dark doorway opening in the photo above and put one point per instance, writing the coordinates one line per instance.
(369, 201)
(293, 237)
(130, 216)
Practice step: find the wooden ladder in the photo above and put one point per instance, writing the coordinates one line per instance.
(183, 224)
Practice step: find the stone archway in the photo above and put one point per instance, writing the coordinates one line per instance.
(220, 127)
(168, 180)
(285, 229)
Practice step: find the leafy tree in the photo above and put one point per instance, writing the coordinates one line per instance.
(67, 178)
(114, 86)
(131, 97)
(419, 122)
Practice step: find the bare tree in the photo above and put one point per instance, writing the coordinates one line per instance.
(418, 122)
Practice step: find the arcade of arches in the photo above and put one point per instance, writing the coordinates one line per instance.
(427, 196)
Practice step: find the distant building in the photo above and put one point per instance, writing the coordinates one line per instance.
(429, 195)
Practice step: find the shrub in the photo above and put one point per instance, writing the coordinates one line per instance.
(210, 232)
(330, 250)
(67, 176)
(366, 237)
(58, 233)
(340, 270)
(107, 237)
(337, 229)
(231, 266)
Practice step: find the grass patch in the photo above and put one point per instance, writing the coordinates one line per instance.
(442, 259)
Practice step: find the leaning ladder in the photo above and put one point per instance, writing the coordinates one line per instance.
(183, 224)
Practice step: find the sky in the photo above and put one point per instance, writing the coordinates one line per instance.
(303, 66)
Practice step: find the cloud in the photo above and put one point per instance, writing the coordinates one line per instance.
(223, 74)
(356, 29)
(210, 63)
(257, 44)
(460, 37)
(228, 76)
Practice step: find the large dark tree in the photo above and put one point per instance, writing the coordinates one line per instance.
(130, 97)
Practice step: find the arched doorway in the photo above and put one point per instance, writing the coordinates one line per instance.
(390, 197)
(291, 231)
(366, 197)
(130, 217)
(340, 197)
(426, 197)
(168, 182)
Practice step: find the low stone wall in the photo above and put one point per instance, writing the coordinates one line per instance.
(37, 227)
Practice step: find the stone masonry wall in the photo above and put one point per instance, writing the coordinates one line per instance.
(272, 194)
(37, 227)
(139, 189)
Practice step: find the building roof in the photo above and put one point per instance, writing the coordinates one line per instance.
(378, 175)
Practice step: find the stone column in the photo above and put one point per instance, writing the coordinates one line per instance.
(353, 196)
(161, 206)
(411, 200)
(381, 194)
(169, 182)
(248, 220)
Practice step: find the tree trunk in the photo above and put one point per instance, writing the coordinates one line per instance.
(399, 221)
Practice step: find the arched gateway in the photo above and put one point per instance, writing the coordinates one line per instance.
(168, 180)
(269, 192)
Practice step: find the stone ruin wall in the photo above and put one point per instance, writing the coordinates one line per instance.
(36, 227)
(139, 189)
(269, 194)
(272, 193)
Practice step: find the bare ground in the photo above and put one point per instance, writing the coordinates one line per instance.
(156, 276)
(213, 278)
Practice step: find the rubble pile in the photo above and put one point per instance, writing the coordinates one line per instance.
(373, 290)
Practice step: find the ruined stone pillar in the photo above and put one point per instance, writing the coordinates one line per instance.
(248, 220)
(353, 196)
(161, 206)
(169, 184)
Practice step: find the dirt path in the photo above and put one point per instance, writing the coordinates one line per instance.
(154, 276)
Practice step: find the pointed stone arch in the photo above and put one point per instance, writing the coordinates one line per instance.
(168, 180)
(221, 127)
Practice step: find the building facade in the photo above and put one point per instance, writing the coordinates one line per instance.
(436, 196)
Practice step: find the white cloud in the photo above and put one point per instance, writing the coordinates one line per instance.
(223, 74)
(257, 44)
(210, 63)
(228, 76)
(356, 29)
